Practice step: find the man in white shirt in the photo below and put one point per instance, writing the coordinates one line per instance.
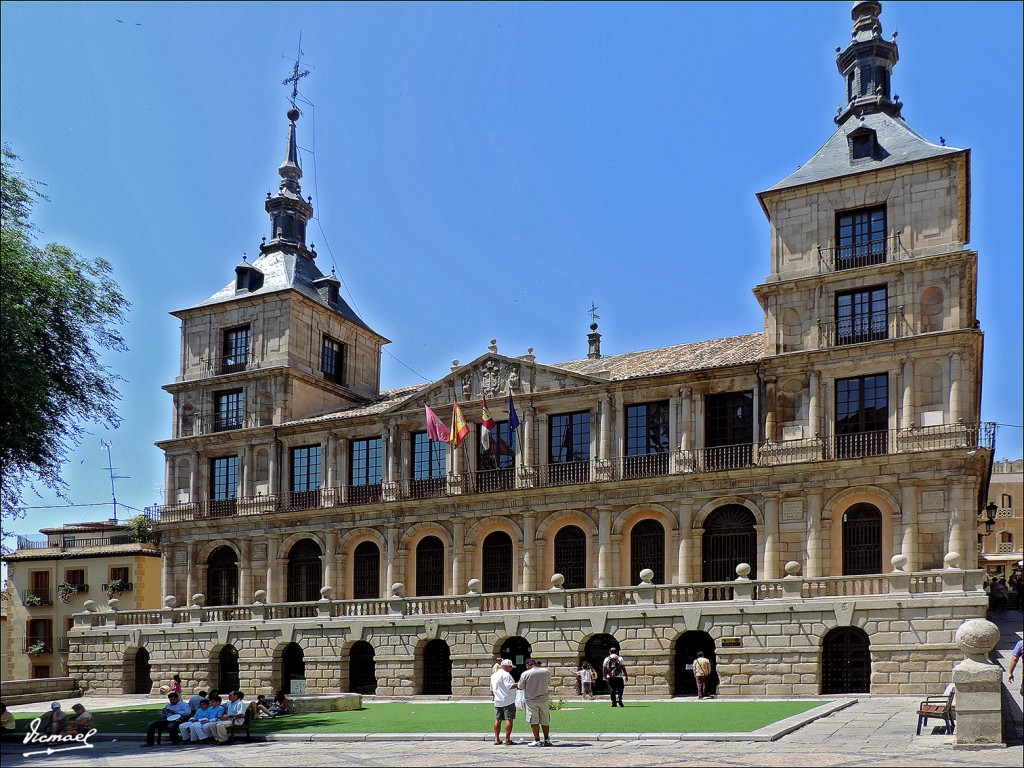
(534, 684)
(503, 686)
(235, 713)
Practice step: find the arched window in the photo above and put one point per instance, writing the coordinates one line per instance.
(222, 577)
(862, 540)
(437, 669)
(497, 562)
(571, 556)
(647, 550)
(430, 566)
(845, 661)
(366, 571)
(305, 572)
(729, 539)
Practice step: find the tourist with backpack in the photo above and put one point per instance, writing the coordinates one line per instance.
(614, 669)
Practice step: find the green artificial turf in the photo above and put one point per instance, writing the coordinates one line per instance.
(715, 716)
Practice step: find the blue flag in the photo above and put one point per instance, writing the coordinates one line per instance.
(513, 423)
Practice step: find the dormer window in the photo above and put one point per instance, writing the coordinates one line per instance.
(862, 144)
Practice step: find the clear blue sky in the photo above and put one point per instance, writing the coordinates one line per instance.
(479, 170)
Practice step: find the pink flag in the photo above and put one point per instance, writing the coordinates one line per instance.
(436, 430)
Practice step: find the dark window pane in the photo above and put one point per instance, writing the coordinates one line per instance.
(647, 429)
(428, 457)
(366, 571)
(430, 567)
(332, 360)
(224, 478)
(861, 237)
(230, 410)
(365, 471)
(862, 315)
(305, 468)
(236, 350)
(862, 416)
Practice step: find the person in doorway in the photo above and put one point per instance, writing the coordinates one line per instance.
(503, 688)
(702, 672)
(534, 684)
(614, 668)
(585, 673)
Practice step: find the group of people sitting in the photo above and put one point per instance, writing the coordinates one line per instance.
(207, 717)
(54, 722)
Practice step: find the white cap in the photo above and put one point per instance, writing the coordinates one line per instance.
(507, 663)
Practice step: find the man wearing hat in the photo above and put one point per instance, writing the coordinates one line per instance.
(52, 722)
(503, 686)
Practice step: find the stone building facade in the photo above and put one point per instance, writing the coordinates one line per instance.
(1001, 550)
(742, 496)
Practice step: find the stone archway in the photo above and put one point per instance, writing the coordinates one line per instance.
(596, 651)
(688, 645)
(845, 661)
(517, 649)
(437, 669)
(293, 668)
(362, 669)
(227, 670)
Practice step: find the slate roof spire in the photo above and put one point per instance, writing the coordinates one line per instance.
(867, 64)
(289, 213)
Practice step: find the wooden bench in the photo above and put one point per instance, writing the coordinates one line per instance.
(938, 707)
(245, 724)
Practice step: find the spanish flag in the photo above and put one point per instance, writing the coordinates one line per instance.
(459, 427)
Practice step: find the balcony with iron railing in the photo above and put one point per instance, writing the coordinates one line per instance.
(35, 646)
(220, 366)
(38, 596)
(869, 253)
(522, 479)
(860, 329)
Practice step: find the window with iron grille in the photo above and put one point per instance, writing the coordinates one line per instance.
(862, 540)
(729, 430)
(236, 350)
(366, 571)
(332, 360)
(224, 478)
(861, 237)
(430, 566)
(862, 415)
(230, 410)
(365, 470)
(222, 577)
(305, 468)
(861, 315)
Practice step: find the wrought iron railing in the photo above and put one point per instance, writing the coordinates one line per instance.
(37, 597)
(38, 645)
(880, 251)
(31, 542)
(873, 326)
(703, 460)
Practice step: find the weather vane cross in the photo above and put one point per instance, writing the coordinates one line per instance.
(593, 312)
(296, 74)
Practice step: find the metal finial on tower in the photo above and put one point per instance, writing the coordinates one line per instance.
(297, 74)
(593, 312)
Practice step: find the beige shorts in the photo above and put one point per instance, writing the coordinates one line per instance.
(537, 712)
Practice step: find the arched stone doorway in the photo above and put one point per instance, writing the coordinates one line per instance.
(429, 566)
(366, 571)
(142, 679)
(293, 667)
(688, 645)
(497, 562)
(305, 572)
(596, 651)
(571, 556)
(362, 669)
(222, 577)
(437, 669)
(518, 650)
(729, 539)
(227, 670)
(647, 550)
(862, 540)
(845, 661)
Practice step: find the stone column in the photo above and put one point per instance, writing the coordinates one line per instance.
(526, 424)
(544, 438)
(273, 588)
(909, 547)
(529, 536)
(330, 568)
(770, 410)
(273, 484)
(619, 433)
(604, 447)
(907, 420)
(458, 544)
(245, 571)
(406, 459)
(756, 415)
(389, 558)
(330, 473)
(604, 530)
(170, 482)
(167, 571)
(341, 454)
(815, 567)
(684, 512)
(247, 472)
(673, 430)
(192, 579)
(685, 419)
(813, 404)
(954, 388)
(979, 686)
(387, 443)
(193, 477)
(771, 536)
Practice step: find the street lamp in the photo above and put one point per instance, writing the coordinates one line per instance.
(988, 517)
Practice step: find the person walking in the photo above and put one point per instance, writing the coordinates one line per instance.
(1018, 651)
(702, 672)
(534, 684)
(614, 668)
(585, 673)
(503, 688)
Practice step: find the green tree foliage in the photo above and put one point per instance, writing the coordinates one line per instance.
(58, 312)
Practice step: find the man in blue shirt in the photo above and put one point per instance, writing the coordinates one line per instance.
(235, 713)
(174, 713)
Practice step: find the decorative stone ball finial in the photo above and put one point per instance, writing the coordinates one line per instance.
(793, 568)
(647, 576)
(112, 603)
(260, 596)
(557, 580)
(474, 586)
(743, 570)
(899, 562)
(170, 601)
(325, 593)
(977, 637)
(952, 560)
(199, 599)
(90, 606)
(293, 114)
(398, 589)
(493, 346)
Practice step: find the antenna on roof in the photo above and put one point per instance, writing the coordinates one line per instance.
(105, 445)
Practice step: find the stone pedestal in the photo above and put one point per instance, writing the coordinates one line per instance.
(979, 684)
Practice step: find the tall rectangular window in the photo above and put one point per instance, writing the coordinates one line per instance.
(646, 440)
(862, 416)
(495, 464)
(861, 237)
(224, 479)
(729, 430)
(862, 315)
(229, 410)
(236, 350)
(306, 475)
(332, 360)
(569, 448)
(365, 470)
(428, 467)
